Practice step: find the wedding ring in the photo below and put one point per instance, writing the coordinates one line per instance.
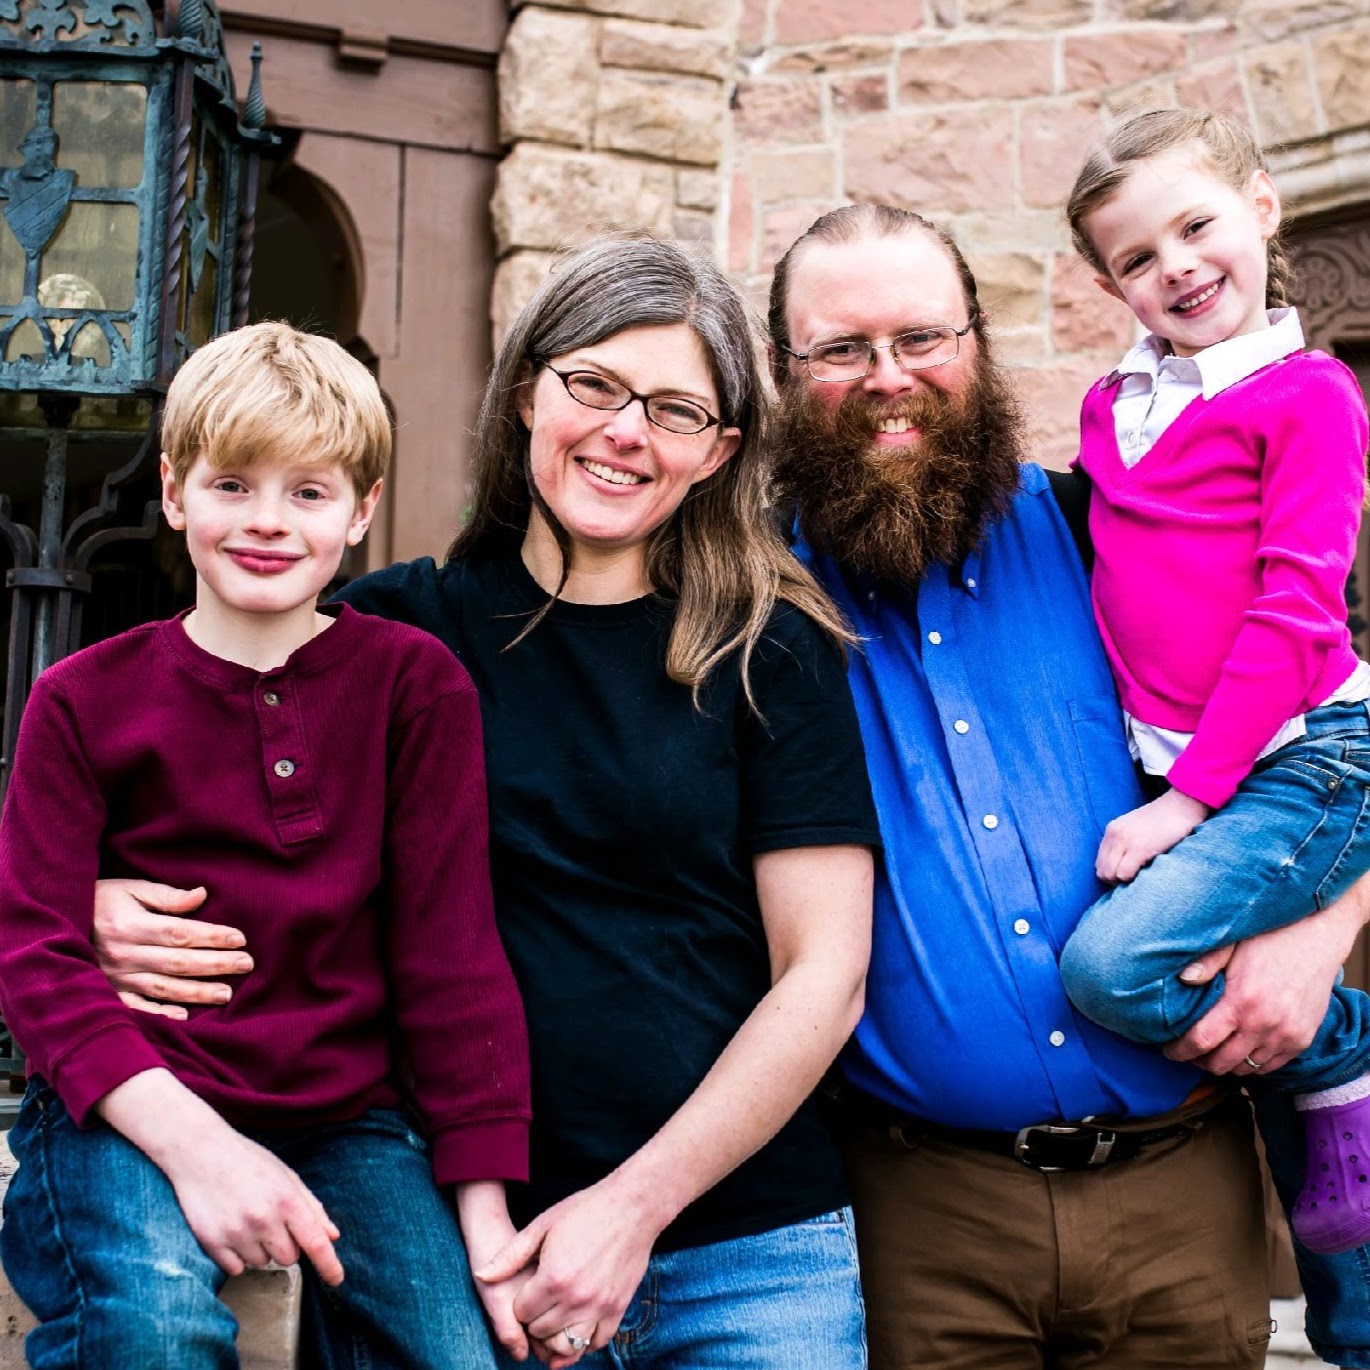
(577, 1343)
(1255, 1065)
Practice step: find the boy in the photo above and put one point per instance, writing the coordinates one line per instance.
(321, 773)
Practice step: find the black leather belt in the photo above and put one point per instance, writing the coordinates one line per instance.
(1045, 1147)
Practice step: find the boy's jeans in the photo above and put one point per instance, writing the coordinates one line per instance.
(1294, 837)
(95, 1244)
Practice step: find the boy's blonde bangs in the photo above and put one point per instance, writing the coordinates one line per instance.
(271, 390)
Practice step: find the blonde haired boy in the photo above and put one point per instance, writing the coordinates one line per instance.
(321, 775)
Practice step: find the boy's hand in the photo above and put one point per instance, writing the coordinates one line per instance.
(1137, 837)
(244, 1205)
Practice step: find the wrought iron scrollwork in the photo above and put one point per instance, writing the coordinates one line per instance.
(76, 25)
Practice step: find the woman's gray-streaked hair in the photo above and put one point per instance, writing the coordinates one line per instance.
(718, 554)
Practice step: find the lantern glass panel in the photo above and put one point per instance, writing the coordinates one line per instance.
(18, 114)
(25, 341)
(214, 168)
(95, 253)
(200, 325)
(100, 125)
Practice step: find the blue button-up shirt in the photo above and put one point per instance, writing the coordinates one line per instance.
(995, 746)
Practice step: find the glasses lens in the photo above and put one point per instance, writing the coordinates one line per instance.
(925, 347)
(839, 361)
(678, 416)
(599, 392)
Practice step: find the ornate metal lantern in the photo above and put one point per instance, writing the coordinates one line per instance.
(128, 182)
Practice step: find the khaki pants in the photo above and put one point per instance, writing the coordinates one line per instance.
(971, 1261)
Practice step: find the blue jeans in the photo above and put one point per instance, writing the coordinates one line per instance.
(788, 1299)
(1294, 836)
(95, 1244)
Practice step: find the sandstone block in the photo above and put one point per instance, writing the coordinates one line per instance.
(696, 189)
(1282, 99)
(1169, 11)
(1095, 60)
(1054, 136)
(989, 69)
(698, 14)
(664, 47)
(855, 95)
(676, 118)
(1015, 229)
(741, 224)
(516, 278)
(1017, 347)
(1083, 317)
(1214, 85)
(945, 14)
(791, 174)
(1205, 44)
(809, 21)
(1051, 395)
(1158, 93)
(547, 78)
(1341, 64)
(1011, 286)
(855, 52)
(751, 27)
(778, 111)
(782, 226)
(544, 196)
(694, 226)
(1270, 19)
(933, 163)
(1029, 14)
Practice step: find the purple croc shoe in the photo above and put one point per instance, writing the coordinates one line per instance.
(1332, 1212)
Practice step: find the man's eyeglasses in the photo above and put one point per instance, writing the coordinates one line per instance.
(849, 359)
(671, 412)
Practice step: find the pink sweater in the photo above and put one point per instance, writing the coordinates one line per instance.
(1222, 557)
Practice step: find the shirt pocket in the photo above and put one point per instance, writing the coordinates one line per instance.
(1108, 777)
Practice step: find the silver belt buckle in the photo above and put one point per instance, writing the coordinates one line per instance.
(1103, 1146)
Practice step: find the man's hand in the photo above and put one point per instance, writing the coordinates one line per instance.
(155, 956)
(1277, 989)
(1140, 836)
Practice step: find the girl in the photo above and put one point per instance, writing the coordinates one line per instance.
(1228, 466)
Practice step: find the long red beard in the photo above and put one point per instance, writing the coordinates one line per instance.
(893, 511)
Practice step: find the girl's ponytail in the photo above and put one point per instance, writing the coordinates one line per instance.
(1279, 276)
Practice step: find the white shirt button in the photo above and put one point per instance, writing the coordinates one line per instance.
(961, 726)
(1057, 1039)
(991, 821)
(284, 769)
(870, 596)
(970, 583)
(1021, 926)
(935, 638)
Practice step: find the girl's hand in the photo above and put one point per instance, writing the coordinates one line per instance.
(591, 1253)
(1136, 838)
(154, 956)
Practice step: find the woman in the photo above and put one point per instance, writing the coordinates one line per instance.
(680, 832)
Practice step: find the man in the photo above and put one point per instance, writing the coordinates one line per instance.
(999, 1226)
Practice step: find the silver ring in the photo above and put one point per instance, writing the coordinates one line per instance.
(1255, 1065)
(577, 1343)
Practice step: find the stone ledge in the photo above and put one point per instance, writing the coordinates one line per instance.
(265, 1302)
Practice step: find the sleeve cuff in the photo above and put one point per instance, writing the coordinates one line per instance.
(1207, 789)
(101, 1063)
(496, 1149)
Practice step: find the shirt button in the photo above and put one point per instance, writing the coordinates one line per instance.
(1057, 1039)
(272, 698)
(991, 821)
(961, 726)
(970, 583)
(284, 768)
(870, 596)
(935, 638)
(1022, 927)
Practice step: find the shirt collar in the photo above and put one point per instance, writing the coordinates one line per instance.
(1224, 364)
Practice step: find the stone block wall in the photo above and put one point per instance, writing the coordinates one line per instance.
(612, 113)
(977, 112)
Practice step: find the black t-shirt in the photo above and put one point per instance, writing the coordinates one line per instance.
(623, 825)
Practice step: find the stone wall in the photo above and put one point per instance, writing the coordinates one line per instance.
(976, 112)
(612, 113)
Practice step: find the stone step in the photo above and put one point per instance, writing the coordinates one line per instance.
(265, 1302)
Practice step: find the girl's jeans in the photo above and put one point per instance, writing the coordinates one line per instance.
(95, 1244)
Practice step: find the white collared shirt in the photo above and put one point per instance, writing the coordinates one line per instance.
(1156, 387)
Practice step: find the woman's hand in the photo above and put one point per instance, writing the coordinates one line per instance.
(155, 956)
(590, 1253)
